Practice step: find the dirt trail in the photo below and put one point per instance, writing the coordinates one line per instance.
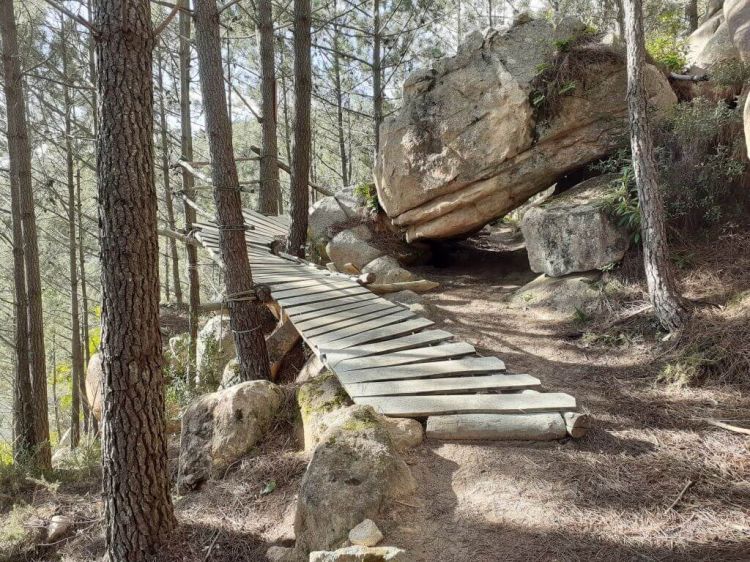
(606, 497)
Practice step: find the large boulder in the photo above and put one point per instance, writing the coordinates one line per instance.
(737, 14)
(572, 232)
(330, 211)
(354, 470)
(352, 246)
(219, 428)
(213, 350)
(469, 145)
(94, 382)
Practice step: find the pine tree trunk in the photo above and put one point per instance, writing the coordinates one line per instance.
(244, 314)
(269, 167)
(186, 145)
(377, 90)
(138, 506)
(167, 184)
(285, 92)
(92, 423)
(19, 151)
(302, 99)
(76, 372)
(668, 304)
(339, 106)
(691, 13)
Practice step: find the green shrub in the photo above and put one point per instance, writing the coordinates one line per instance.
(731, 73)
(666, 41)
(369, 193)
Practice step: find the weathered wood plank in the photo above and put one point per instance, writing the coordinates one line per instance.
(364, 326)
(335, 310)
(420, 406)
(441, 386)
(321, 286)
(319, 296)
(302, 309)
(455, 367)
(381, 333)
(498, 427)
(379, 312)
(352, 315)
(422, 354)
(333, 357)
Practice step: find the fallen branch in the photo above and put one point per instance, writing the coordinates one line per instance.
(178, 236)
(727, 426)
(689, 77)
(679, 497)
(421, 286)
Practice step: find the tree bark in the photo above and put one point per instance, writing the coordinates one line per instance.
(302, 99)
(138, 506)
(377, 90)
(339, 106)
(20, 165)
(92, 423)
(244, 313)
(691, 13)
(270, 189)
(186, 145)
(76, 371)
(668, 304)
(168, 205)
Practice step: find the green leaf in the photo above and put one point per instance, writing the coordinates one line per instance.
(268, 488)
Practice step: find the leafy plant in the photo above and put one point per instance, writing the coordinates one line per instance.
(368, 192)
(731, 73)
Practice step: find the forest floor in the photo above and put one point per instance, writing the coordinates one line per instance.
(652, 481)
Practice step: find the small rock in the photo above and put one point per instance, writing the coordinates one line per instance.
(360, 554)
(351, 246)
(405, 297)
(406, 433)
(94, 381)
(279, 553)
(214, 349)
(365, 534)
(59, 527)
(387, 270)
(330, 211)
(311, 369)
(231, 374)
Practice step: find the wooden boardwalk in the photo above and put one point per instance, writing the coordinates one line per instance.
(383, 354)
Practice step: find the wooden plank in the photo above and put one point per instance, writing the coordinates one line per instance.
(290, 303)
(464, 366)
(335, 310)
(422, 354)
(381, 333)
(441, 386)
(335, 335)
(333, 357)
(319, 286)
(354, 317)
(260, 220)
(315, 307)
(420, 405)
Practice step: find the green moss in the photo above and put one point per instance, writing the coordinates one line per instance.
(361, 420)
(311, 395)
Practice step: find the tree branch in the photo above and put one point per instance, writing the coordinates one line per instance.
(163, 25)
(75, 17)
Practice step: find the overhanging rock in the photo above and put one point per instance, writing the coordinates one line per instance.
(468, 145)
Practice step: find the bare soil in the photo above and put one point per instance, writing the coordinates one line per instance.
(652, 481)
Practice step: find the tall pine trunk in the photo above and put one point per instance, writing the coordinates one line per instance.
(168, 205)
(138, 506)
(244, 314)
(300, 196)
(76, 357)
(339, 106)
(186, 148)
(270, 189)
(668, 304)
(377, 89)
(19, 151)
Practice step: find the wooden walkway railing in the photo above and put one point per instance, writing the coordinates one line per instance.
(383, 354)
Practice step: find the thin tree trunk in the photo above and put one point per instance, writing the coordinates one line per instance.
(490, 14)
(302, 99)
(668, 304)
(269, 161)
(691, 13)
(377, 90)
(186, 146)
(138, 507)
(285, 91)
(55, 401)
(76, 371)
(167, 183)
(20, 164)
(244, 314)
(339, 105)
(92, 423)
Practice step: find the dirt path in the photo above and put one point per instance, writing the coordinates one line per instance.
(606, 497)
